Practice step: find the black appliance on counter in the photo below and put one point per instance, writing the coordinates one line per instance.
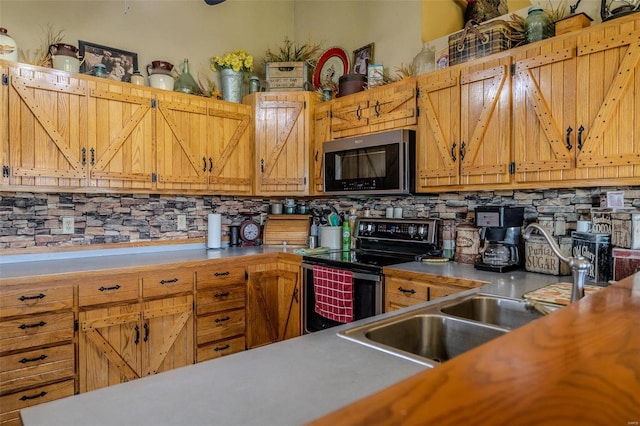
(501, 244)
(379, 243)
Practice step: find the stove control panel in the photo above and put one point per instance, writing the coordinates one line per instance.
(407, 230)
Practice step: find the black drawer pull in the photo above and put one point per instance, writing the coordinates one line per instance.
(25, 326)
(222, 348)
(221, 274)
(26, 360)
(225, 294)
(40, 395)
(410, 291)
(23, 298)
(222, 319)
(115, 287)
(163, 282)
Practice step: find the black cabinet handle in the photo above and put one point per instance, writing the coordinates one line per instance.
(115, 287)
(26, 360)
(219, 320)
(210, 164)
(410, 291)
(462, 148)
(137, 330)
(221, 274)
(25, 397)
(315, 158)
(84, 156)
(262, 165)
(224, 294)
(580, 130)
(222, 348)
(358, 113)
(204, 164)
(568, 145)
(25, 326)
(146, 332)
(377, 109)
(23, 298)
(93, 156)
(453, 152)
(173, 280)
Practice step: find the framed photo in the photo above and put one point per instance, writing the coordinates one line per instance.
(375, 75)
(119, 64)
(362, 57)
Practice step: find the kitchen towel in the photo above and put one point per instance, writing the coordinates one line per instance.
(333, 290)
(214, 230)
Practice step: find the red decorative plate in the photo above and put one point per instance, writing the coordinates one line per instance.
(332, 64)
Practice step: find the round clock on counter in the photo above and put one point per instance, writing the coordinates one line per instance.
(249, 232)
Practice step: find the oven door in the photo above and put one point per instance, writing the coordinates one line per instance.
(368, 299)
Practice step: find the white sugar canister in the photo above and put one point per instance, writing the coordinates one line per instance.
(8, 47)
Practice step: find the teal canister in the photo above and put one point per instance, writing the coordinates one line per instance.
(537, 25)
(254, 84)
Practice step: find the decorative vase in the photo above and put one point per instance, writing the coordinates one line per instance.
(537, 25)
(425, 60)
(231, 85)
(8, 47)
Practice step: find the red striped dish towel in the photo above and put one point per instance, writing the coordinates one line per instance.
(333, 289)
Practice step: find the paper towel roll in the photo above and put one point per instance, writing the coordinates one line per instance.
(214, 230)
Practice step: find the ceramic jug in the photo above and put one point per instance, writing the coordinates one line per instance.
(65, 57)
(159, 67)
(8, 47)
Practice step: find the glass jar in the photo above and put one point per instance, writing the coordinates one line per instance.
(425, 60)
(254, 84)
(537, 25)
(185, 82)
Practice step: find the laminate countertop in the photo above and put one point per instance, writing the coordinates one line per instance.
(286, 383)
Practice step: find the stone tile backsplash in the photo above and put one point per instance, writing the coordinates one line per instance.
(35, 219)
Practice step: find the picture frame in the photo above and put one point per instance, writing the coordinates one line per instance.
(362, 57)
(120, 64)
(375, 75)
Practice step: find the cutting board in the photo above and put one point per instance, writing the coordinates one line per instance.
(558, 294)
(292, 228)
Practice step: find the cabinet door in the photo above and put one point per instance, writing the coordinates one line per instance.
(485, 122)
(609, 79)
(350, 115)
(109, 346)
(544, 96)
(230, 148)
(120, 140)
(282, 143)
(167, 334)
(437, 147)
(273, 304)
(321, 134)
(393, 106)
(181, 135)
(47, 127)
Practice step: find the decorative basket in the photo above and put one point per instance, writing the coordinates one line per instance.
(478, 40)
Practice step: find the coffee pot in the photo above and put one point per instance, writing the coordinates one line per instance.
(500, 230)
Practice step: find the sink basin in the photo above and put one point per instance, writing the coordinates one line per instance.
(426, 338)
(503, 312)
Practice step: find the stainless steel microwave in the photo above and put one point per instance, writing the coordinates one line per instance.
(378, 163)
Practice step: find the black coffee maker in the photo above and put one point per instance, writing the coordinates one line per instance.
(501, 246)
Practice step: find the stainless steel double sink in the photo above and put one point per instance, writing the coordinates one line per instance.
(437, 333)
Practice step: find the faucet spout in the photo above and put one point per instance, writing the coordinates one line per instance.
(579, 265)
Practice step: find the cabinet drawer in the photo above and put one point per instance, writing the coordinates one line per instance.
(167, 282)
(408, 289)
(35, 330)
(21, 301)
(221, 298)
(442, 291)
(220, 326)
(219, 276)
(116, 288)
(12, 403)
(219, 349)
(32, 368)
(398, 301)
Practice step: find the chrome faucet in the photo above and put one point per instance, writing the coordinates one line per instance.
(579, 265)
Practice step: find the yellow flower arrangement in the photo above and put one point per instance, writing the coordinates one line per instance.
(238, 60)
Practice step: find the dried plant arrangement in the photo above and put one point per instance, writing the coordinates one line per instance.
(41, 56)
(554, 12)
(292, 52)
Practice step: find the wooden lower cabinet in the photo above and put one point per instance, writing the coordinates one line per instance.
(404, 288)
(12, 403)
(273, 302)
(125, 342)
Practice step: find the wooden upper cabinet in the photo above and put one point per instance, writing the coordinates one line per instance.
(392, 106)
(120, 148)
(4, 125)
(608, 85)
(282, 142)
(230, 145)
(321, 134)
(464, 127)
(47, 127)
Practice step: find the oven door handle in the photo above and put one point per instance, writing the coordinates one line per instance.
(356, 275)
